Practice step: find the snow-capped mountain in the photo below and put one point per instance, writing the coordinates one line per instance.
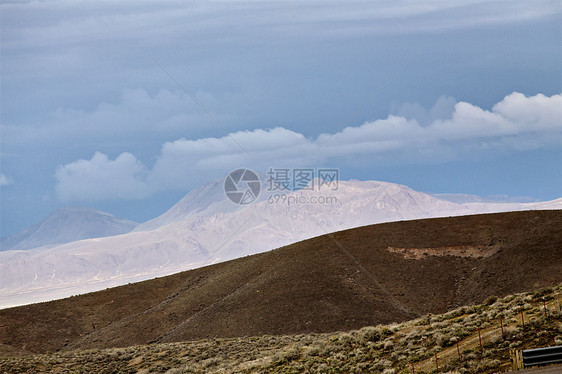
(67, 225)
(195, 232)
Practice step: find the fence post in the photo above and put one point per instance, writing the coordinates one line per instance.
(413, 369)
(458, 350)
(516, 359)
(480, 338)
(501, 324)
(522, 317)
(436, 365)
(544, 304)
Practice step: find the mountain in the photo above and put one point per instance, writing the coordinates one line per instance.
(202, 201)
(184, 239)
(365, 276)
(466, 198)
(67, 225)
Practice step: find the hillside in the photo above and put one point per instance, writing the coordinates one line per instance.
(370, 275)
(203, 229)
(395, 348)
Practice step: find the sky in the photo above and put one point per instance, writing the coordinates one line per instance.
(126, 106)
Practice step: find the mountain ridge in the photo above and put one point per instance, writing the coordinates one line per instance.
(339, 281)
(192, 240)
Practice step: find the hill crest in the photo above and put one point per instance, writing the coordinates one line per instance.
(338, 281)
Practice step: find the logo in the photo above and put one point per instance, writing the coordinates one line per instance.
(242, 186)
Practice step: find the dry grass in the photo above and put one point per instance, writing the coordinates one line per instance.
(379, 349)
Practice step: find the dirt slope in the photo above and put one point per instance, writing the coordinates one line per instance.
(371, 349)
(365, 276)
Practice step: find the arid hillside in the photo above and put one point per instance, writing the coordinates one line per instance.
(366, 276)
(466, 340)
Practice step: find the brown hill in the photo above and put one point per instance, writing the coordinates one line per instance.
(402, 346)
(346, 280)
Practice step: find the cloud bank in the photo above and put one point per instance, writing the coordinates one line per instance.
(115, 21)
(518, 122)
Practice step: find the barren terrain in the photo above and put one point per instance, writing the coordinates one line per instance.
(336, 282)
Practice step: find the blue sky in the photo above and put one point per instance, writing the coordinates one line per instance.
(463, 97)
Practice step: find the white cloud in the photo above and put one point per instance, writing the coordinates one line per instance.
(4, 180)
(101, 178)
(517, 122)
(537, 112)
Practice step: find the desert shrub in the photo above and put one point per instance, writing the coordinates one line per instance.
(388, 344)
(370, 334)
(496, 339)
(515, 344)
(487, 364)
(536, 323)
(443, 340)
(510, 332)
(425, 320)
(314, 351)
(346, 339)
(542, 293)
(386, 332)
(175, 371)
(328, 349)
(322, 368)
(490, 300)
(286, 356)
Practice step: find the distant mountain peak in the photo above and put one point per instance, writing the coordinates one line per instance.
(202, 201)
(66, 225)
